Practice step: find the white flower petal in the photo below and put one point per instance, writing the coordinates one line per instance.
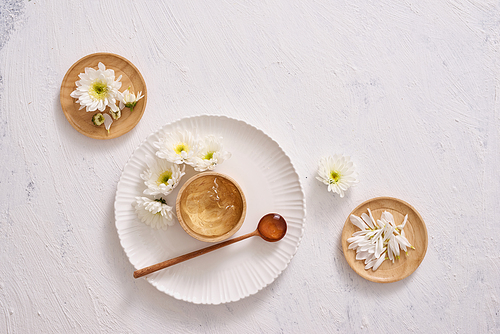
(402, 226)
(379, 261)
(378, 247)
(390, 254)
(380, 223)
(367, 247)
(355, 238)
(371, 216)
(108, 120)
(358, 222)
(370, 263)
(403, 242)
(353, 245)
(367, 220)
(388, 217)
(362, 255)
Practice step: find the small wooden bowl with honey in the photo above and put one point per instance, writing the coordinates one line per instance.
(211, 207)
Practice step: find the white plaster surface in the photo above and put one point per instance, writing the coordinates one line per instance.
(408, 89)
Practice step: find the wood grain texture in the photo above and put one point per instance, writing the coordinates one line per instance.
(80, 119)
(415, 230)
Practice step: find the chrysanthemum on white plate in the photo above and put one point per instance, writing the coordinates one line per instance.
(155, 212)
(211, 154)
(98, 89)
(129, 99)
(378, 240)
(178, 147)
(337, 172)
(161, 177)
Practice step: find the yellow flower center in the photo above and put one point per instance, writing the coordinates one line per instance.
(181, 147)
(164, 177)
(99, 90)
(209, 155)
(334, 176)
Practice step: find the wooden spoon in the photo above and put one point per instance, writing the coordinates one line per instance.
(272, 227)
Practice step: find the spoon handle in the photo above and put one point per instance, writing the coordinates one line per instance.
(182, 258)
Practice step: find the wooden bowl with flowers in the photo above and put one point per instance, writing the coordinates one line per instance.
(101, 91)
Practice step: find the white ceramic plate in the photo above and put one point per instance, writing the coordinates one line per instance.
(270, 183)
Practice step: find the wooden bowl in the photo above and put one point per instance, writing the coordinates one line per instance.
(82, 120)
(211, 207)
(415, 230)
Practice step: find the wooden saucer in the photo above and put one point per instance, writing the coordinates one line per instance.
(82, 120)
(415, 232)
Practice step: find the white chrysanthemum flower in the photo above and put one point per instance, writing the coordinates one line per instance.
(178, 147)
(161, 177)
(378, 240)
(129, 100)
(337, 172)
(155, 213)
(211, 154)
(97, 89)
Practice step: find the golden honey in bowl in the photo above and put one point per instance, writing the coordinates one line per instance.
(211, 207)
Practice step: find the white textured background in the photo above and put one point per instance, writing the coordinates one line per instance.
(408, 89)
